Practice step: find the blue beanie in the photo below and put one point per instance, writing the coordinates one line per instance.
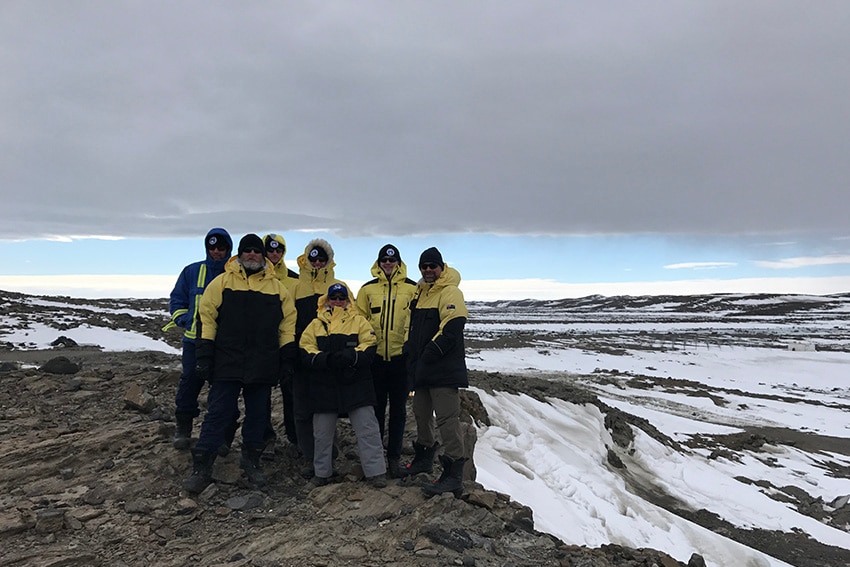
(338, 288)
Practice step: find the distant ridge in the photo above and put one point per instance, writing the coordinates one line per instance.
(730, 304)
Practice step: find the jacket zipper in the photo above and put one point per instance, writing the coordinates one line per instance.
(387, 323)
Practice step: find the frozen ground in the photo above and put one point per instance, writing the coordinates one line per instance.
(700, 370)
(746, 455)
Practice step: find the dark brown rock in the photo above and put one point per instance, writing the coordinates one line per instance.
(60, 365)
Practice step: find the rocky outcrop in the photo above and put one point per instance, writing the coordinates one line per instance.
(88, 477)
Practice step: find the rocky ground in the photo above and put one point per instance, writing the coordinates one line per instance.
(88, 477)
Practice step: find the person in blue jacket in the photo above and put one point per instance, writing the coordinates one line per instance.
(185, 298)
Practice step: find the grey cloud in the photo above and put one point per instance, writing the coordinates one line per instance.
(396, 119)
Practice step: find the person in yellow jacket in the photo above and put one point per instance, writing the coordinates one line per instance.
(385, 302)
(437, 365)
(336, 353)
(275, 246)
(315, 274)
(246, 342)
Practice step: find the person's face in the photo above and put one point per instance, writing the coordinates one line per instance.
(337, 300)
(252, 258)
(274, 255)
(219, 252)
(316, 263)
(430, 271)
(388, 264)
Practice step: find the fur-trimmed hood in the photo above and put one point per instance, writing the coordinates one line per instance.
(303, 262)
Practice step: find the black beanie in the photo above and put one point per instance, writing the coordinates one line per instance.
(389, 251)
(432, 255)
(318, 253)
(216, 239)
(274, 243)
(251, 241)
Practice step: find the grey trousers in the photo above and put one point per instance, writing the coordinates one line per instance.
(445, 403)
(369, 445)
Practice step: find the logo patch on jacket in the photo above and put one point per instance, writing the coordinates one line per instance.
(450, 306)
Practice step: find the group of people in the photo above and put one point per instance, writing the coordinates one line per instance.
(250, 324)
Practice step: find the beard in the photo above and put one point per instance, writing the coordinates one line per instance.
(252, 266)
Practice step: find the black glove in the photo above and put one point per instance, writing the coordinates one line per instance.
(204, 359)
(319, 361)
(431, 353)
(203, 372)
(287, 374)
(286, 362)
(348, 357)
(335, 360)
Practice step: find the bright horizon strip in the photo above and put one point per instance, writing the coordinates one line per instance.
(159, 286)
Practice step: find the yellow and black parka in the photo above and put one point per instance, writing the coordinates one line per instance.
(385, 302)
(435, 345)
(312, 283)
(337, 349)
(287, 277)
(246, 320)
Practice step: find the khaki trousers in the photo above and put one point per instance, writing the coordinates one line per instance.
(445, 403)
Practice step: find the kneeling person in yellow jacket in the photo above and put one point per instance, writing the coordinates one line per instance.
(337, 348)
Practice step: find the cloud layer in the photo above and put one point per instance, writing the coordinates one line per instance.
(392, 118)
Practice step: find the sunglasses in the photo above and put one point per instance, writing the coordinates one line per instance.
(428, 266)
(314, 260)
(388, 259)
(337, 297)
(253, 249)
(217, 247)
(279, 250)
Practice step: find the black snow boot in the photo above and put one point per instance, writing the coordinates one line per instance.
(250, 463)
(229, 435)
(183, 432)
(394, 468)
(269, 443)
(450, 481)
(202, 464)
(377, 481)
(423, 460)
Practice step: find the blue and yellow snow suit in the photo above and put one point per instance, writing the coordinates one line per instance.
(185, 299)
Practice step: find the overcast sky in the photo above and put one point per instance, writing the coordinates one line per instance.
(143, 119)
